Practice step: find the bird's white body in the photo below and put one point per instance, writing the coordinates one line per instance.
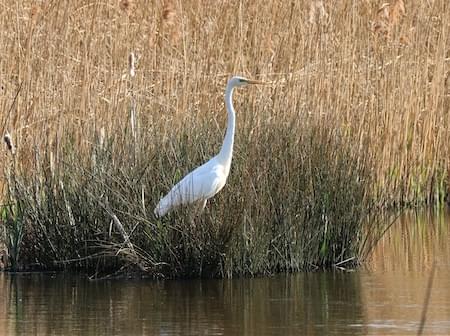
(196, 187)
(208, 179)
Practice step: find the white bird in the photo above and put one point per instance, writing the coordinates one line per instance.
(207, 180)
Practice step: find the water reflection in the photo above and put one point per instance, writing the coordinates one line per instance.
(384, 298)
(309, 303)
(395, 283)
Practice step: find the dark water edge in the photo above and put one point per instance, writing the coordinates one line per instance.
(384, 297)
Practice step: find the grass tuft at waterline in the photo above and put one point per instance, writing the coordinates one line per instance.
(303, 208)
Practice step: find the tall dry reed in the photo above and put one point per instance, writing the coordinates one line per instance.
(388, 96)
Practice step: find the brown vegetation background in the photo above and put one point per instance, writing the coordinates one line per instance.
(378, 74)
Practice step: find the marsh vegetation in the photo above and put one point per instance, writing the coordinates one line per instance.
(355, 122)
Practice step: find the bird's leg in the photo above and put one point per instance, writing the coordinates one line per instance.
(201, 206)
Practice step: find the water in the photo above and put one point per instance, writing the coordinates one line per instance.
(383, 298)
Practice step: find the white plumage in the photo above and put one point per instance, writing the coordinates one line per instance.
(208, 179)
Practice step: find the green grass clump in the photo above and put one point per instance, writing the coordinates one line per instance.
(294, 201)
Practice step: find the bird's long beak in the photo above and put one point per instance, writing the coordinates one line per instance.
(252, 81)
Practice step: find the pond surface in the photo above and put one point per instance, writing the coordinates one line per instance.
(385, 297)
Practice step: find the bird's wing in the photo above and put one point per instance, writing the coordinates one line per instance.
(202, 183)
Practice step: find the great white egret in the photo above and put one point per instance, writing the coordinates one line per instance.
(208, 179)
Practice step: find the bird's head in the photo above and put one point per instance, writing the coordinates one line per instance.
(242, 81)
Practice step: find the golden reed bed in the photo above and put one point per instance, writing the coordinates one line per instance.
(378, 73)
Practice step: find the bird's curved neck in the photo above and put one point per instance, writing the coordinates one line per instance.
(226, 152)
